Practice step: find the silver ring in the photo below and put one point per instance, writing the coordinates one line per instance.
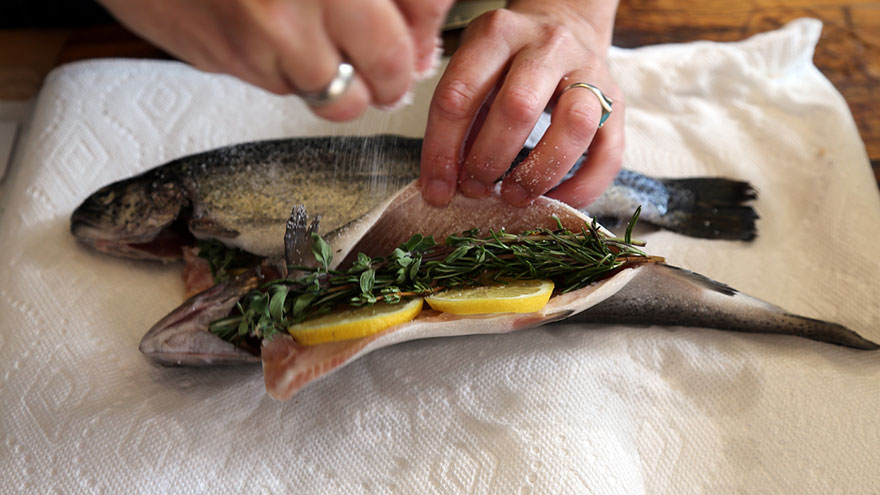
(333, 91)
(603, 100)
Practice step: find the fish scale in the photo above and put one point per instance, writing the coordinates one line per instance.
(241, 195)
(649, 293)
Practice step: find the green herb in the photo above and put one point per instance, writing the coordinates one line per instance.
(420, 267)
(224, 260)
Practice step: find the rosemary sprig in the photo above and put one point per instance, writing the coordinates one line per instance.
(420, 267)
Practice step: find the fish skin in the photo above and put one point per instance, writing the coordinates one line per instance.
(289, 366)
(648, 293)
(697, 207)
(241, 195)
(182, 338)
(663, 294)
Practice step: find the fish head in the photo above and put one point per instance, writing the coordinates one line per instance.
(136, 218)
(181, 338)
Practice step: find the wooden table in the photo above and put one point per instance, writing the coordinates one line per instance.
(848, 52)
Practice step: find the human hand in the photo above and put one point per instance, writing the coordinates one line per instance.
(295, 46)
(511, 64)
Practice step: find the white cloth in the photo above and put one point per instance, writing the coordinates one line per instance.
(558, 410)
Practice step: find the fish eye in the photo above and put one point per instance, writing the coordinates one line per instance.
(107, 198)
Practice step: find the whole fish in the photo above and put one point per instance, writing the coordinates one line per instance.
(650, 293)
(241, 196)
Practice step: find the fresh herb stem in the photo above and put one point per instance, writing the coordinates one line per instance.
(421, 267)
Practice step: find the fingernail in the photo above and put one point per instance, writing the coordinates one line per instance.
(438, 192)
(515, 194)
(473, 188)
(428, 65)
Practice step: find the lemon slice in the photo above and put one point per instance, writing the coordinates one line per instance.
(516, 296)
(354, 323)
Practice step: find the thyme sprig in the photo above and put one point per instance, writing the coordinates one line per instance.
(420, 267)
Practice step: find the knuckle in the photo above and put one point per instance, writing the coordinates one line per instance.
(581, 120)
(389, 63)
(557, 36)
(389, 73)
(455, 100)
(521, 105)
(312, 77)
(495, 23)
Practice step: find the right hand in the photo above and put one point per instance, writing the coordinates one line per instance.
(512, 63)
(288, 46)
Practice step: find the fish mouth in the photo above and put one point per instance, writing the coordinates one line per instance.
(182, 337)
(165, 244)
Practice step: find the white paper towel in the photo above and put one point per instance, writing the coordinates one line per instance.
(567, 409)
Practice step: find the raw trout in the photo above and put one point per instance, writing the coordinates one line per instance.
(652, 293)
(241, 195)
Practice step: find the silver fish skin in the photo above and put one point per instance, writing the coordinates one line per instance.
(181, 338)
(241, 196)
(662, 294)
(650, 293)
(657, 294)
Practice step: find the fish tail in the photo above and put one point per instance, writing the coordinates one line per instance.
(661, 294)
(710, 208)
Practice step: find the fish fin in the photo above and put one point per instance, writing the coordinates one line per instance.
(298, 238)
(294, 235)
(710, 208)
(703, 280)
(666, 295)
(316, 223)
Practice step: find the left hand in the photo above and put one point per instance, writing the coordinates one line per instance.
(512, 63)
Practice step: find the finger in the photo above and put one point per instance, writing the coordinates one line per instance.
(273, 48)
(249, 55)
(374, 37)
(260, 67)
(603, 163)
(470, 77)
(573, 124)
(308, 71)
(350, 105)
(311, 68)
(527, 88)
(424, 18)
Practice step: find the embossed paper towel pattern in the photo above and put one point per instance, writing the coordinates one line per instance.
(567, 409)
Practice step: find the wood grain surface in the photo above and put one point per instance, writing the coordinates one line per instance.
(848, 52)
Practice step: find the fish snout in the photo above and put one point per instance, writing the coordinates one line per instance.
(182, 338)
(128, 217)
